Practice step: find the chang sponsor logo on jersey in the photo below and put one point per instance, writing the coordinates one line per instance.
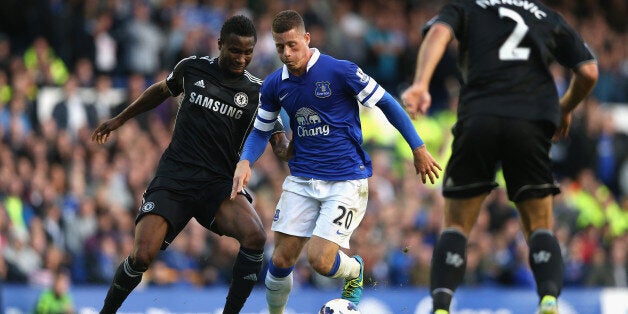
(215, 105)
(309, 123)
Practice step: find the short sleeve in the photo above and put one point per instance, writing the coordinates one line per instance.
(174, 81)
(451, 15)
(570, 49)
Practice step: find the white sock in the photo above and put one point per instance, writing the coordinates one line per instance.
(277, 292)
(349, 267)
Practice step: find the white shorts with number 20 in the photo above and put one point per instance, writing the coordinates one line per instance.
(328, 209)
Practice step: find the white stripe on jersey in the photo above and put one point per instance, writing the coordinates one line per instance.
(267, 115)
(252, 78)
(263, 126)
(377, 95)
(367, 90)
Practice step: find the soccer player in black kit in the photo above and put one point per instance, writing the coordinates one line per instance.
(194, 177)
(508, 113)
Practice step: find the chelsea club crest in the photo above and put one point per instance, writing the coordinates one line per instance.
(241, 99)
(322, 90)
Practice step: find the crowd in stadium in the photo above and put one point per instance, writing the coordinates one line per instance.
(68, 203)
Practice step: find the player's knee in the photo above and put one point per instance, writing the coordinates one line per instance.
(141, 259)
(254, 239)
(283, 261)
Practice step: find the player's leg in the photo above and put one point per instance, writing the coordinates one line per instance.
(160, 219)
(293, 222)
(279, 278)
(239, 220)
(341, 212)
(469, 177)
(528, 173)
(545, 257)
(325, 258)
(450, 252)
(149, 235)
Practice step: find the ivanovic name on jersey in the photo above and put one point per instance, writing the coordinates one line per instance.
(215, 105)
(529, 6)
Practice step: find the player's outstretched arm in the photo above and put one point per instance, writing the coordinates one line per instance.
(417, 99)
(584, 79)
(425, 165)
(152, 97)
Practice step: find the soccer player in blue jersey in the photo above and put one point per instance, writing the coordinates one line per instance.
(324, 198)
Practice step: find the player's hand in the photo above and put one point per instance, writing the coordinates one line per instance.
(241, 177)
(416, 99)
(425, 165)
(563, 126)
(102, 132)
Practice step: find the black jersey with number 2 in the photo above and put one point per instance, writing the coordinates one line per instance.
(505, 49)
(216, 113)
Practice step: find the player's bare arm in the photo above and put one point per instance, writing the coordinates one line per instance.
(425, 165)
(417, 98)
(282, 146)
(152, 97)
(583, 81)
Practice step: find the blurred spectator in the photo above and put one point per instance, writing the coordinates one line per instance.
(385, 44)
(15, 120)
(43, 63)
(73, 113)
(619, 263)
(105, 98)
(143, 41)
(601, 273)
(21, 259)
(105, 45)
(84, 70)
(56, 299)
(5, 52)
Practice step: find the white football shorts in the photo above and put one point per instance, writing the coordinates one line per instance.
(331, 210)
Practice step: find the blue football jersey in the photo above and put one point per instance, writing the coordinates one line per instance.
(324, 116)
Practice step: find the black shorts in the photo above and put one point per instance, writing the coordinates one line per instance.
(483, 143)
(178, 201)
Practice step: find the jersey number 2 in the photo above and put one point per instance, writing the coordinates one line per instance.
(509, 49)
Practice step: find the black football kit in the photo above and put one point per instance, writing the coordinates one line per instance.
(216, 113)
(508, 104)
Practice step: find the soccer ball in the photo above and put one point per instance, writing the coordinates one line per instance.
(339, 306)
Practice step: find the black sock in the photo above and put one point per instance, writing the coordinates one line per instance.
(246, 271)
(124, 281)
(546, 262)
(448, 267)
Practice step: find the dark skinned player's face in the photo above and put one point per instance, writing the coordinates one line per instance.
(236, 53)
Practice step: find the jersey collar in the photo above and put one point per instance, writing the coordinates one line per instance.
(315, 54)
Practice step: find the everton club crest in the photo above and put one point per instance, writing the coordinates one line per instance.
(322, 90)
